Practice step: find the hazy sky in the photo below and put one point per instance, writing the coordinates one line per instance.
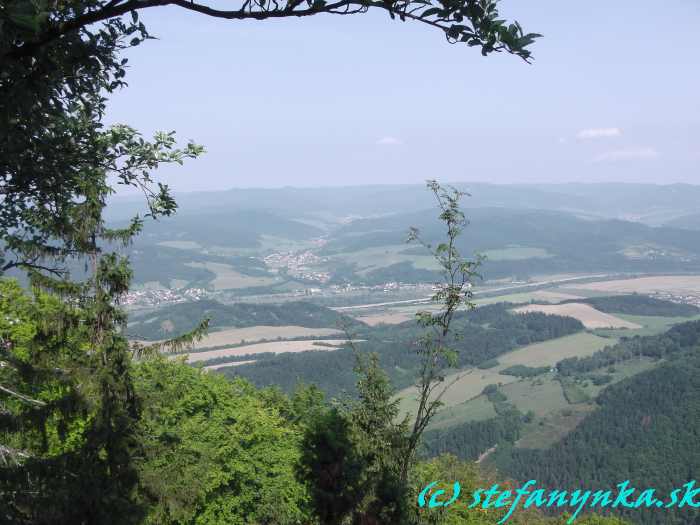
(613, 95)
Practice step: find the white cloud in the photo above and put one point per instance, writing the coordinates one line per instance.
(389, 141)
(598, 133)
(628, 154)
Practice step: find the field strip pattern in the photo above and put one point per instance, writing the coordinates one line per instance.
(274, 347)
(589, 316)
(677, 284)
(469, 383)
(235, 336)
(233, 363)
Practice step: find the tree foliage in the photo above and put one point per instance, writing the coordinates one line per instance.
(215, 451)
(89, 435)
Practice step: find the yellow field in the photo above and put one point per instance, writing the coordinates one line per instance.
(553, 297)
(234, 336)
(676, 284)
(589, 316)
(181, 245)
(275, 347)
(389, 317)
(228, 278)
(223, 365)
(525, 297)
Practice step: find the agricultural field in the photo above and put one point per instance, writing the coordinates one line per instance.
(477, 409)
(544, 432)
(274, 347)
(181, 245)
(465, 385)
(374, 315)
(388, 317)
(589, 316)
(468, 384)
(235, 336)
(674, 284)
(389, 314)
(550, 352)
(516, 253)
(541, 395)
(369, 259)
(545, 296)
(235, 363)
(649, 325)
(228, 278)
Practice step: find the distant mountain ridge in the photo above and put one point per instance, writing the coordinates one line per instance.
(648, 203)
(534, 230)
(225, 227)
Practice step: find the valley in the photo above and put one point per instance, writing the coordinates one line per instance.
(250, 273)
(558, 306)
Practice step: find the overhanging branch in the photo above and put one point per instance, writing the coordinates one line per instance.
(474, 22)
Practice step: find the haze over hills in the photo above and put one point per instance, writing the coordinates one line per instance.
(316, 334)
(589, 293)
(690, 222)
(291, 238)
(649, 203)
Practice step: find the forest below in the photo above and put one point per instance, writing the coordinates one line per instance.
(645, 428)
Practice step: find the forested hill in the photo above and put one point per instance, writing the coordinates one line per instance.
(567, 243)
(180, 318)
(647, 430)
(225, 227)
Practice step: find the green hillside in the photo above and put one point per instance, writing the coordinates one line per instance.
(646, 430)
(557, 242)
(228, 228)
(643, 427)
(181, 318)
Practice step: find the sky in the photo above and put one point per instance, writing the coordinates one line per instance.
(613, 95)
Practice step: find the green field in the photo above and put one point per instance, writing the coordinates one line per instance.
(541, 395)
(469, 383)
(544, 432)
(550, 352)
(369, 259)
(516, 253)
(477, 409)
(228, 278)
(574, 393)
(516, 298)
(651, 325)
(622, 371)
